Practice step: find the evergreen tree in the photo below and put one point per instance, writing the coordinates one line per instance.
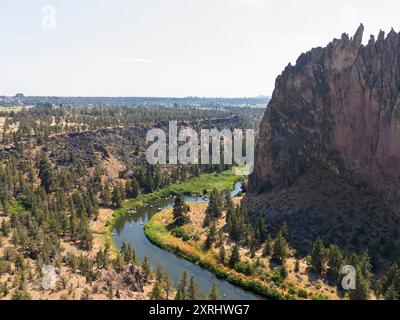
(46, 173)
(133, 189)
(391, 293)
(268, 246)
(280, 250)
(261, 231)
(318, 256)
(285, 230)
(228, 201)
(222, 254)
(157, 291)
(210, 237)
(235, 257)
(192, 290)
(118, 195)
(146, 268)
(335, 262)
(297, 266)
(180, 211)
(106, 194)
(167, 283)
(284, 270)
(182, 286)
(362, 290)
(214, 292)
(214, 209)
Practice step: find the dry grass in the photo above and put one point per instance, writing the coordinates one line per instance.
(158, 227)
(76, 283)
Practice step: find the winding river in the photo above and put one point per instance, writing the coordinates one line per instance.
(130, 229)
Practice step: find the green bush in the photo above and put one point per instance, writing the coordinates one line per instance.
(179, 232)
(244, 268)
(303, 293)
(5, 267)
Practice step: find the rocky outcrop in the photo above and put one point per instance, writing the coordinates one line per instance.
(335, 114)
(131, 279)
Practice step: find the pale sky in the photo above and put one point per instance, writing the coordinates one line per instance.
(229, 48)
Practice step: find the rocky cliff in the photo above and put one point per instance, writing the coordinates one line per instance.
(328, 155)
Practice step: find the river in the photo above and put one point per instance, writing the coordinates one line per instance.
(130, 229)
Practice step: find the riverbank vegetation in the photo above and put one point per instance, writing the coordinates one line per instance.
(219, 239)
(200, 185)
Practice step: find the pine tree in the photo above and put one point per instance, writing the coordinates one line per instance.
(46, 173)
(214, 292)
(261, 231)
(362, 290)
(284, 270)
(391, 293)
(167, 283)
(182, 286)
(118, 195)
(210, 237)
(214, 209)
(222, 254)
(228, 201)
(268, 246)
(192, 290)
(146, 268)
(106, 194)
(159, 273)
(235, 257)
(280, 250)
(318, 256)
(157, 291)
(180, 211)
(297, 266)
(133, 190)
(285, 230)
(335, 262)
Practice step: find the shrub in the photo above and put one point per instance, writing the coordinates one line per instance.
(5, 267)
(303, 293)
(244, 268)
(179, 232)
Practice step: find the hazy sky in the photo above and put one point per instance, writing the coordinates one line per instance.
(229, 48)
